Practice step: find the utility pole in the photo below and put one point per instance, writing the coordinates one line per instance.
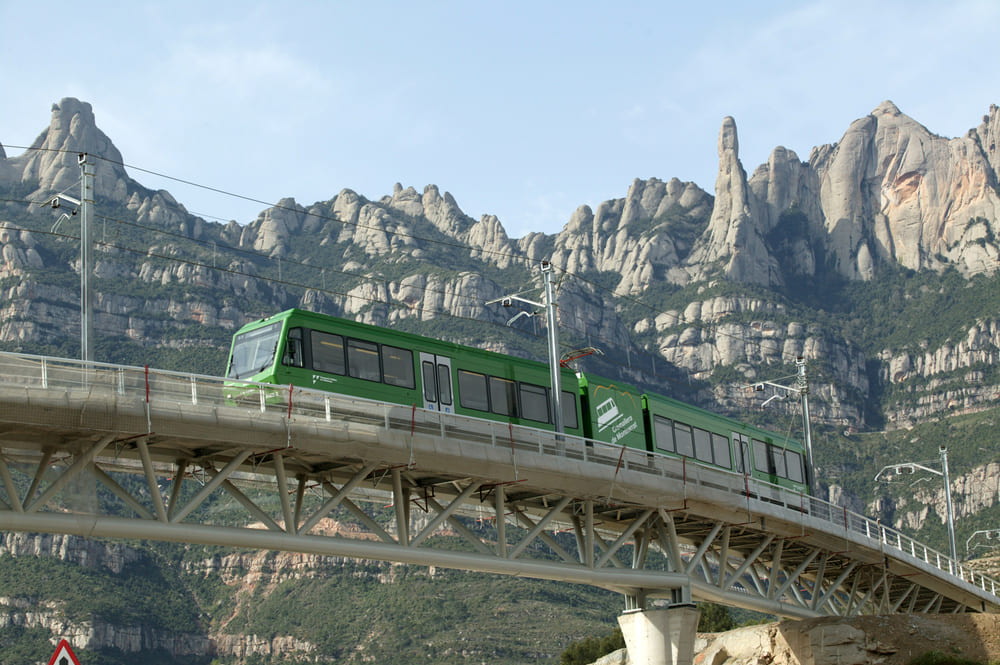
(549, 307)
(802, 385)
(801, 388)
(86, 259)
(553, 329)
(947, 495)
(84, 208)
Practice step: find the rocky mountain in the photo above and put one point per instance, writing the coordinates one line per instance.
(888, 193)
(875, 260)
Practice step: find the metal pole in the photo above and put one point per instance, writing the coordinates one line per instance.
(554, 367)
(803, 387)
(86, 261)
(947, 495)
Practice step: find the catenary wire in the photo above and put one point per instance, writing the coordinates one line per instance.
(711, 329)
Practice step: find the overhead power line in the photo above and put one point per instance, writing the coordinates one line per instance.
(712, 329)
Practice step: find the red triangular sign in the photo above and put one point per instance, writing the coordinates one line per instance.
(63, 655)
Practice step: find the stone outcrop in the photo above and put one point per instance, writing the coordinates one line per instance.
(734, 237)
(888, 192)
(870, 640)
(640, 237)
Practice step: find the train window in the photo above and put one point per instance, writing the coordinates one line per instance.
(569, 410)
(663, 429)
(760, 457)
(702, 445)
(444, 384)
(534, 402)
(397, 366)
(778, 461)
(428, 378)
(795, 471)
(253, 351)
(684, 439)
(293, 349)
(327, 352)
(720, 445)
(472, 390)
(362, 360)
(503, 396)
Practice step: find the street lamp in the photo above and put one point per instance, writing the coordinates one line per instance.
(549, 307)
(990, 534)
(892, 471)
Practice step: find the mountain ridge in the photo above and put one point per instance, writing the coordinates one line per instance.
(874, 260)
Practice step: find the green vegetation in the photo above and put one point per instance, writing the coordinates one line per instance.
(588, 650)
(144, 594)
(25, 645)
(714, 618)
(437, 617)
(939, 658)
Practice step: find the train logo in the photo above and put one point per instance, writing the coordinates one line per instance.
(607, 413)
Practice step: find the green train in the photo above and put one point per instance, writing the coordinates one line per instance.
(311, 350)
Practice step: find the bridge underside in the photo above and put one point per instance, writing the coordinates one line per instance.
(120, 455)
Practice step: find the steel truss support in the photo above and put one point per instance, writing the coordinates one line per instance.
(643, 553)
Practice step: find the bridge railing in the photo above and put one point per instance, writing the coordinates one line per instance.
(163, 387)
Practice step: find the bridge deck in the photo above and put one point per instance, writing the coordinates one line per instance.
(549, 506)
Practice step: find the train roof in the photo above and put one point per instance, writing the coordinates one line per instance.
(398, 336)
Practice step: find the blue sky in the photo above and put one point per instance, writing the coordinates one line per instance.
(525, 110)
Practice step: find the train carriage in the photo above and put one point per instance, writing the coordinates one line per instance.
(676, 428)
(312, 350)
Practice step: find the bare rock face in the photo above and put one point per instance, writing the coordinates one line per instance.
(53, 160)
(734, 236)
(988, 137)
(271, 232)
(888, 192)
(640, 237)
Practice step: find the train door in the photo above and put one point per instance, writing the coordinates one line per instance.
(741, 453)
(435, 374)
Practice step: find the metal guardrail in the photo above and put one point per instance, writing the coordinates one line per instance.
(163, 387)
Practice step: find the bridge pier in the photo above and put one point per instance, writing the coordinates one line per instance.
(663, 636)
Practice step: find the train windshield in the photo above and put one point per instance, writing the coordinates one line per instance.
(253, 351)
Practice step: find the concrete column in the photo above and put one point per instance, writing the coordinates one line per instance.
(661, 636)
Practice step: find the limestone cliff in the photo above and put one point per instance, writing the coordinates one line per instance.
(888, 193)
